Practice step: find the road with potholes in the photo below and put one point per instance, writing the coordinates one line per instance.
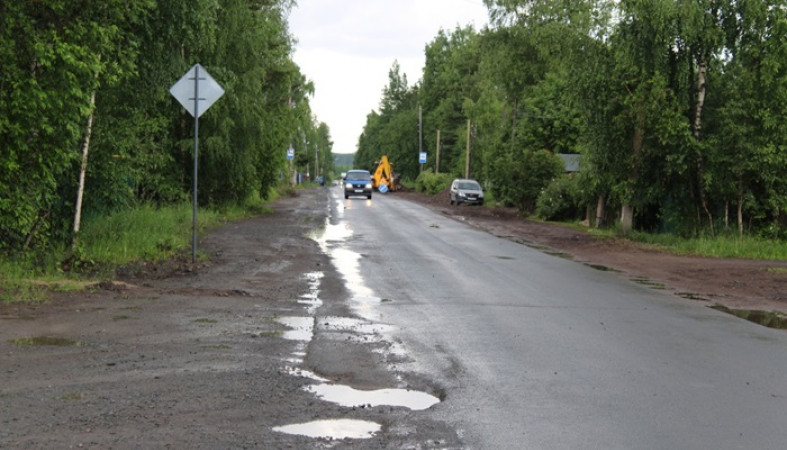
(379, 324)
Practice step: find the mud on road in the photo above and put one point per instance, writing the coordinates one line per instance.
(238, 352)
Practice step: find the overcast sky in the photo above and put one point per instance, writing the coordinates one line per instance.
(347, 47)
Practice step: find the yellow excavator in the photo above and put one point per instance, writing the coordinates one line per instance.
(384, 179)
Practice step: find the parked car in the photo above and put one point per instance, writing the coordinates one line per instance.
(466, 191)
(358, 182)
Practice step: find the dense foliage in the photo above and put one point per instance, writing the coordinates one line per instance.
(676, 106)
(65, 61)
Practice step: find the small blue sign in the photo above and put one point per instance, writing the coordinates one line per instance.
(290, 153)
(422, 158)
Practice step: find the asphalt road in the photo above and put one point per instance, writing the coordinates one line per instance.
(535, 351)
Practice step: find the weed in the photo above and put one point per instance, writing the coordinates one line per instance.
(41, 341)
(203, 320)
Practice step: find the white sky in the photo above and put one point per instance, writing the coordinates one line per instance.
(347, 47)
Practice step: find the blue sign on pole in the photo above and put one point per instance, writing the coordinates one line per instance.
(422, 158)
(290, 153)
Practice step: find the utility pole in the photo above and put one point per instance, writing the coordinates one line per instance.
(420, 133)
(437, 152)
(467, 156)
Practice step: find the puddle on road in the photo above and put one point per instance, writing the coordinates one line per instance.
(312, 300)
(770, 319)
(302, 328)
(601, 267)
(353, 325)
(350, 397)
(346, 262)
(306, 374)
(333, 429)
(649, 283)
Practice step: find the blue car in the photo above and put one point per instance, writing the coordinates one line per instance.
(358, 182)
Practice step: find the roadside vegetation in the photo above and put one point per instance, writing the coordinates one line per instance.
(86, 113)
(662, 117)
(142, 234)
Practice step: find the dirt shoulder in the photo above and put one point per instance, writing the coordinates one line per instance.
(216, 355)
(734, 283)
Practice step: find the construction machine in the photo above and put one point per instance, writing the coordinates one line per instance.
(384, 179)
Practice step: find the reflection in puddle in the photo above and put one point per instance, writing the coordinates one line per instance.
(306, 374)
(302, 327)
(770, 319)
(312, 300)
(335, 429)
(601, 267)
(353, 325)
(347, 262)
(350, 397)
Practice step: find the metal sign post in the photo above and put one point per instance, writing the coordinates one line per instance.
(187, 91)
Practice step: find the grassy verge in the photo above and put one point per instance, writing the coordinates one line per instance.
(725, 246)
(144, 233)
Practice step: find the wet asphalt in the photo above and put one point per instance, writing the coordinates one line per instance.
(532, 350)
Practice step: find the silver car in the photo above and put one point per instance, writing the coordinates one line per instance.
(466, 191)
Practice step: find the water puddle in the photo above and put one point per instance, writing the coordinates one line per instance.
(601, 267)
(770, 319)
(301, 373)
(333, 429)
(351, 397)
(649, 283)
(353, 325)
(301, 328)
(558, 254)
(311, 300)
(691, 296)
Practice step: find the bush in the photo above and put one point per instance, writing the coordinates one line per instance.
(432, 183)
(560, 200)
(528, 177)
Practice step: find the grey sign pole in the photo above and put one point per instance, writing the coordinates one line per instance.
(196, 159)
(188, 94)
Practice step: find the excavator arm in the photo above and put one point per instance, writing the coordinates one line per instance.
(384, 175)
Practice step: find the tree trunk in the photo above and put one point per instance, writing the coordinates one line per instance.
(83, 167)
(637, 146)
(740, 205)
(600, 212)
(697, 127)
(626, 218)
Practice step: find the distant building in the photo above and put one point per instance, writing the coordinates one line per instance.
(571, 161)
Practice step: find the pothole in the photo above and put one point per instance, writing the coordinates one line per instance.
(333, 429)
(770, 319)
(351, 398)
(301, 328)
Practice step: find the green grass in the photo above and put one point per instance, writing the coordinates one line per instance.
(726, 246)
(143, 233)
